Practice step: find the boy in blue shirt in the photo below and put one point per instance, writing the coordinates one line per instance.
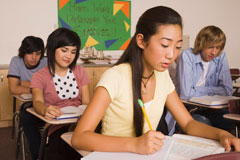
(204, 71)
(29, 60)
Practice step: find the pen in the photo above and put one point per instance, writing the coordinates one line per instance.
(144, 112)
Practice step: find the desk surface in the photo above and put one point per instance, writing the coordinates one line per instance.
(222, 156)
(236, 85)
(206, 106)
(67, 138)
(235, 75)
(22, 99)
(54, 121)
(205, 147)
(235, 117)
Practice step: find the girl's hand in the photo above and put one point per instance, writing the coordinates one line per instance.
(228, 140)
(52, 112)
(150, 142)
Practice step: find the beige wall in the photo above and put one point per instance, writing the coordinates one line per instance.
(20, 18)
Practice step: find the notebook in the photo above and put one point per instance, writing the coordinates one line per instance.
(72, 112)
(212, 100)
(26, 96)
(177, 147)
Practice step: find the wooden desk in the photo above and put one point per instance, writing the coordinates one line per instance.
(188, 143)
(205, 106)
(235, 117)
(222, 156)
(235, 86)
(67, 138)
(54, 121)
(235, 75)
(49, 124)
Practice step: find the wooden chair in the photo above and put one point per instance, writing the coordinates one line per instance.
(20, 134)
(234, 72)
(234, 113)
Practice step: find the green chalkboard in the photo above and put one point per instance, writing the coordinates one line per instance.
(104, 24)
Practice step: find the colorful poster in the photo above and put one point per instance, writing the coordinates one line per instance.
(104, 24)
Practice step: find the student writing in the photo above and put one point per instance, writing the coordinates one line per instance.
(62, 83)
(141, 73)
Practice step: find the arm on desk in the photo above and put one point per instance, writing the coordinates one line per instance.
(84, 137)
(25, 83)
(16, 87)
(49, 112)
(195, 128)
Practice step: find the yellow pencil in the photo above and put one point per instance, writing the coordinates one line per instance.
(144, 112)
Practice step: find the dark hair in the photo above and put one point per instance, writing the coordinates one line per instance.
(31, 44)
(147, 25)
(59, 38)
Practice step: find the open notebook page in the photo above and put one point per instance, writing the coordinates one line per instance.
(72, 112)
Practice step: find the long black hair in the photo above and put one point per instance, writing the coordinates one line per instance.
(147, 25)
(59, 38)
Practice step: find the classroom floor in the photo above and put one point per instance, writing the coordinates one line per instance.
(8, 146)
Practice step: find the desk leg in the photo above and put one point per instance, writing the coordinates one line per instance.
(14, 117)
(43, 143)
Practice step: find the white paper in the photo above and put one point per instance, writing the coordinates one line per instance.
(26, 96)
(160, 155)
(178, 147)
(189, 147)
(212, 100)
(72, 112)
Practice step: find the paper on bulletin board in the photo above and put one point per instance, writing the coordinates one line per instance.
(104, 24)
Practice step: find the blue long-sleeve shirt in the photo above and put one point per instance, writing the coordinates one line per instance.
(189, 69)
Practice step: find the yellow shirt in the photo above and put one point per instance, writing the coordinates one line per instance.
(118, 118)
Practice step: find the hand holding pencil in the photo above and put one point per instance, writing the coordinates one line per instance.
(151, 141)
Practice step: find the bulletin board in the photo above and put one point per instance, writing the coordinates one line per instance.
(104, 24)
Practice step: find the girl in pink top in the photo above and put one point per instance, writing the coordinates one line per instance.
(60, 84)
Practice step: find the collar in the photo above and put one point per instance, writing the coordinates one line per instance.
(33, 67)
(198, 58)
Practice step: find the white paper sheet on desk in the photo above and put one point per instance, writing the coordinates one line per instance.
(160, 155)
(72, 112)
(26, 96)
(177, 147)
(212, 100)
(187, 147)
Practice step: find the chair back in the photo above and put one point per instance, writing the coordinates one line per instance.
(234, 71)
(234, 106)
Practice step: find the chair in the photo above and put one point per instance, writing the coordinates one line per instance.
(235, 71)
(20, 134)
(221, 156)
(234, 110)
(14, 117)
(20, 138)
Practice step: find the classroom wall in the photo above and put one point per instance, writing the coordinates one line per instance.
(39, 18)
